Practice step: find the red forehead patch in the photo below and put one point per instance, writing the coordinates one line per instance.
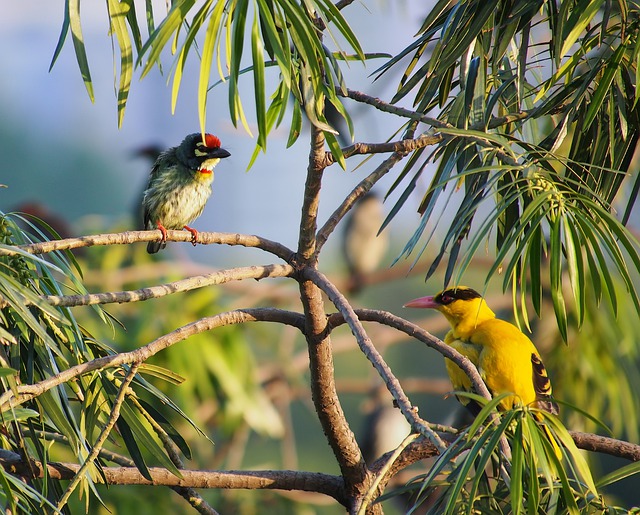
(211, 141)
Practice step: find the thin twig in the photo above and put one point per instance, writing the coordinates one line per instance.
(368, 497)
(372, 354)
(106, 430)
(189, 494)
(403, 146)
(358, 192)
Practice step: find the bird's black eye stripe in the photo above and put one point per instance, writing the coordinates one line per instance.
(448, 296)
(201, 149)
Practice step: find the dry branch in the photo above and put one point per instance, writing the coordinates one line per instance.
(129, 237)
(183, 285)
(230, 479)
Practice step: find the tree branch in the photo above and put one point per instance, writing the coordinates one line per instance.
(311, 201)
(403, 146)
(371, 353)
(154, 292)
(323, 389)
(24, 393)
(606, 445)
(432, 122)
(189, 494)
(128, 237)
(231, 479)
(358, 192)
(415, 331)
(102, 438)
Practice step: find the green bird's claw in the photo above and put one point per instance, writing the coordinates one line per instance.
(194, 235)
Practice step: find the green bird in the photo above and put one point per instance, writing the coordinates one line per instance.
(180, 185)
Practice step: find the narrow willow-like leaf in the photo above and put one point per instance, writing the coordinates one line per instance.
(196, 24)
(603, 88)
(534, 214)
(466, 31)
(132, 21)
(619, 474)
(603, 271)
(259, 85)
(490, 449)
(158, 39)
(578, 21)
(580, 269)
(171, 431)
(296, 124)
(516, 487)
(161, 373)
(142, 435)
(51, 404)
(574, 260)
(535, 266)
(555, 273)
(66, 22)
(499, 140)
(9, 493)
(237, 19)
(334, 15)
(78, 45)
(336, 150)
(462, 473)
(132, 446)
(283, 57)
(118, 11)
(581, 466)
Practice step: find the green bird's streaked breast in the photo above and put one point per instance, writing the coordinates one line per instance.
(176, 198)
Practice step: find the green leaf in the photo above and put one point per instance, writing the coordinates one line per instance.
(161, 373)
(196, 24)
(581, 16)
(160, 37)
(619, 474)
(118, 12)
(259, 85)
(73, 7)
(555, 272)
(604, 87)
(210, 42)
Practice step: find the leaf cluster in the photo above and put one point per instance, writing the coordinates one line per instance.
(39, 341)
(537, 108)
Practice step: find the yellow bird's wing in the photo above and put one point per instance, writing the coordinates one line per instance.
(542, 386)
(459, 380)
(506, 362)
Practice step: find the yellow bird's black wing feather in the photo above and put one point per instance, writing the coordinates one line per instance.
(542, 386)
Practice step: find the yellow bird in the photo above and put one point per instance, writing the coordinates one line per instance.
(506, 359)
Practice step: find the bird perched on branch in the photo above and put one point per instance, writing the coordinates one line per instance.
(363, 248)
(506, 359)
(180, 185)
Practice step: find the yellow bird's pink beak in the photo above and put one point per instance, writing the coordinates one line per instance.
(422, 302)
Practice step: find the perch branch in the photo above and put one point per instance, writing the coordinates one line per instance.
(323, 388)
(128, 237)
(24, 393)
(154, 292)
